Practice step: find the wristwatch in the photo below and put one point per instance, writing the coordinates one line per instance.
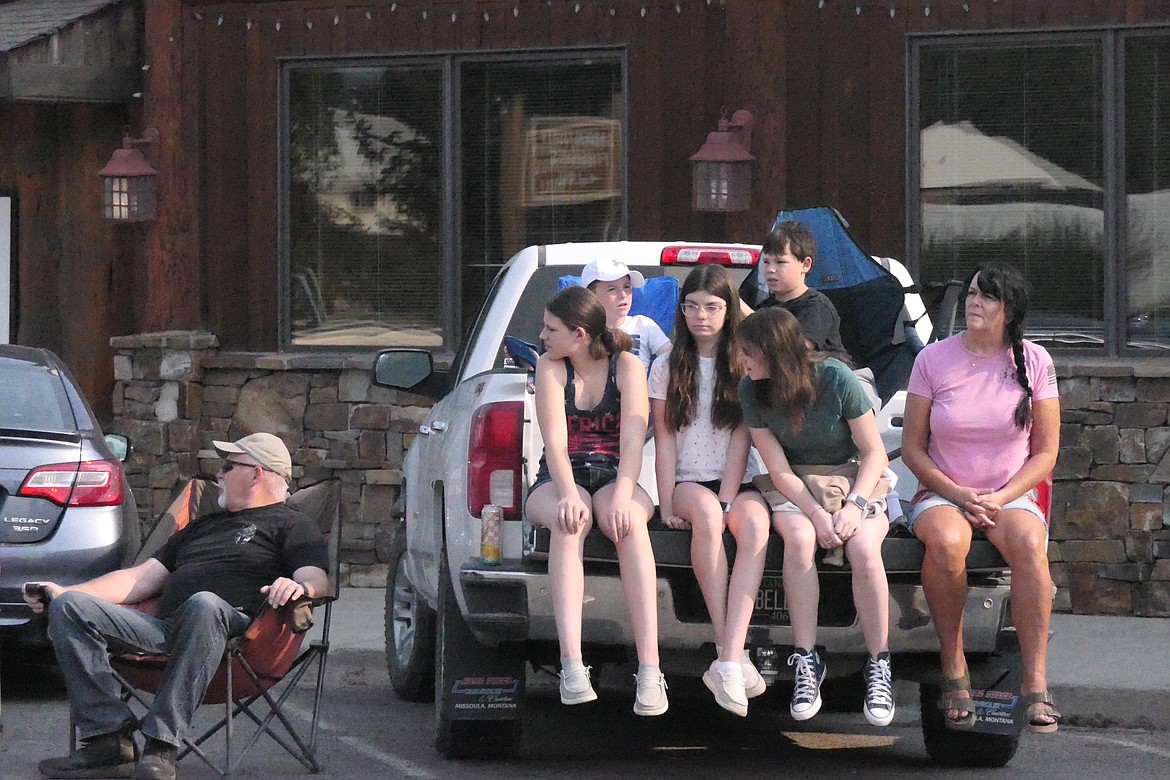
(857, 500)
(726, 506)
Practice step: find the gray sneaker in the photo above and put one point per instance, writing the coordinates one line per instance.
(576, 687)
(753, 681)
(650, 692)
(728, 688)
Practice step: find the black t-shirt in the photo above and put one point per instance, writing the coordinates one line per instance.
(818, 319)
(234, 554)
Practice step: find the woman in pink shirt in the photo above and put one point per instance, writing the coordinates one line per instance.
(982, 429)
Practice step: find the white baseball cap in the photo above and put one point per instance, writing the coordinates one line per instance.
(606, 269)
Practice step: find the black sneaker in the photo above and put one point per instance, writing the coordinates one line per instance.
(879, 690)
(806, 693)
(158, 761)
(110, 755)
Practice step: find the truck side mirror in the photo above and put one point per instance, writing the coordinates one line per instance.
(402, 369)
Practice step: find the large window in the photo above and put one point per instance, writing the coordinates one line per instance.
(1051, 153)
(412, 181)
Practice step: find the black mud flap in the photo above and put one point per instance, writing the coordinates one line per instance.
(479, 690)
(999, 707)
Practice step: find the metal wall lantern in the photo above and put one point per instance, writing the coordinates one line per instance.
(130, 182)
(722, 168)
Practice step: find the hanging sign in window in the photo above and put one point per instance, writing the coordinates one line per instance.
(571, 160)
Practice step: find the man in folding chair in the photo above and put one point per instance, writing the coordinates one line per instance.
(212, 578)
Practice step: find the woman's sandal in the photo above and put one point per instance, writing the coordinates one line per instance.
(1038, 706)
(959, 703)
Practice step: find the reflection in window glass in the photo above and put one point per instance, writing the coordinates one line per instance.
(1147, 189)
(542, 161)
(1012, 171)
(364, 202)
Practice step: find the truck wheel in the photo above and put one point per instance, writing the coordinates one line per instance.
(410, 631)
(960, 748)
(457, 647)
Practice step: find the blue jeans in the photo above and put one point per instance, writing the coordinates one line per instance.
(84, 629)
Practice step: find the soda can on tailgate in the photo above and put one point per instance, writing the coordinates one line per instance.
(492, 518)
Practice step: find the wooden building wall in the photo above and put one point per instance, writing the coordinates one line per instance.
(826, 85)
(846, 90)
(677, 85)
(75, 277)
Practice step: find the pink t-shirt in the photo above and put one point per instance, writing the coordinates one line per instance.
(973, 438)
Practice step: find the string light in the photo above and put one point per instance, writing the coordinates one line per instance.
(198, 16)
(891, 12)
(278, 25)
(248, 23)
(219, 21)
(926, 11)
(309, 23)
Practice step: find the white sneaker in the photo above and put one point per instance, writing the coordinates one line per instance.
(650, 691)
(727, 685)
(753, 681)
(575, 685)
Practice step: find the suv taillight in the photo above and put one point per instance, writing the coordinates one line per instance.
(89, 483)
(495, 458)
(710, 255)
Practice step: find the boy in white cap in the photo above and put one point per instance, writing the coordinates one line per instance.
(613, 283)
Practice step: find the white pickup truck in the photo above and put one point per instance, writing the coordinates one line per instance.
(465, 632)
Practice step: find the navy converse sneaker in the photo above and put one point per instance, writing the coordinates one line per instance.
(879, 690)
(806, 693)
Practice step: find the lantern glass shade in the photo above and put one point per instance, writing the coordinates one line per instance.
(128, 198)
(129, 187)
(722, 185)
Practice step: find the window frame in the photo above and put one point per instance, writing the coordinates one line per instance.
(451, 209)
(1111, 41)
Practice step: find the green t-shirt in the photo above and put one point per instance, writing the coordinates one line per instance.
(824, 438)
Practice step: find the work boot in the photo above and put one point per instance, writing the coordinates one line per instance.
(158, 761)
(107, 755)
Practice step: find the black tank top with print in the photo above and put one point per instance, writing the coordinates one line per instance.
(596, 430)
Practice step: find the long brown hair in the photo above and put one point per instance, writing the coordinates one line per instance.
(683, 385)
(774, 337)
(578, 307)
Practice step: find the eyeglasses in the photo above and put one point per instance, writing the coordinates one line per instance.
(228, 465)
(710, 309)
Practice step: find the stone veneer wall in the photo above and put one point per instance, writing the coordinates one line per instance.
(1110, 540)
(174, 392)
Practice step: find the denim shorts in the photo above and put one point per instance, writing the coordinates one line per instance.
(927, 499)
(592, 471)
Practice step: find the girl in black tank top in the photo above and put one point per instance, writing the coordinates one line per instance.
(585, 477)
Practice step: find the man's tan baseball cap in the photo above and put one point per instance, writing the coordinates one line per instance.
(267, 450)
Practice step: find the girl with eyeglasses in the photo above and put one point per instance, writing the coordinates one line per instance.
(701, 458)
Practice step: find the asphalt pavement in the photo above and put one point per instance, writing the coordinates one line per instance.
(1102, 670)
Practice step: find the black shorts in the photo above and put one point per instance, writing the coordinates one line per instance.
(714, 484)
(592, 471)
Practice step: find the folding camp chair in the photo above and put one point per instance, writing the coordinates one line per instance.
(268, 661)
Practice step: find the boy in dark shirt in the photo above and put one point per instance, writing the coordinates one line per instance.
(786, 257)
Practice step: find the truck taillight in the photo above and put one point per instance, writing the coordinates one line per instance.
(710, 255)
(89, 483)
(495, 458)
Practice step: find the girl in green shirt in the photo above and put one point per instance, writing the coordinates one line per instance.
(806, 409)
